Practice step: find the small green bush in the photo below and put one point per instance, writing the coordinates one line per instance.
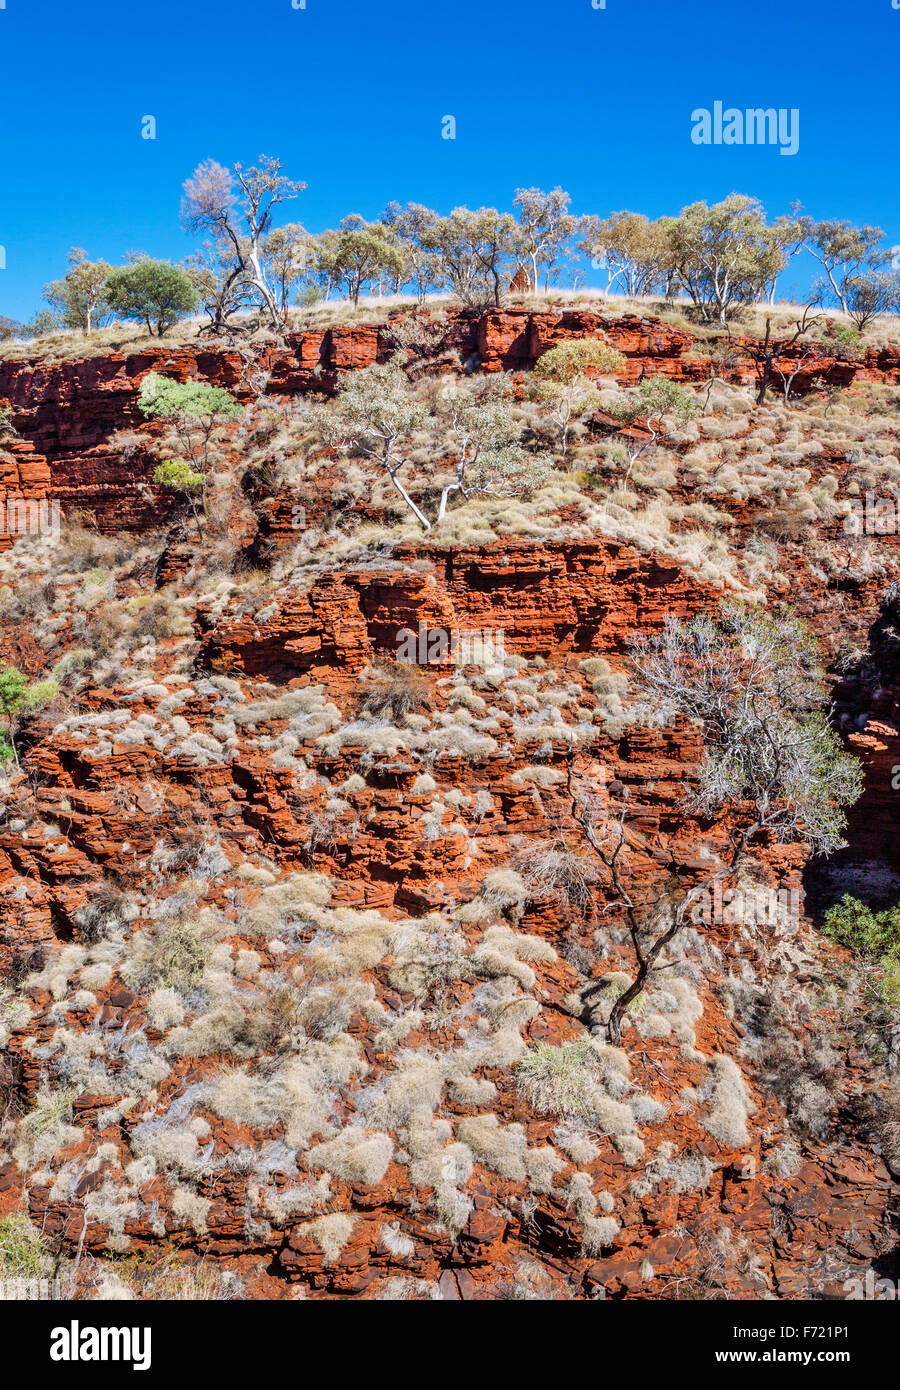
(655, 396)
(23, 1254)
(872, 934)
(18, 697)
(575, 357)
(40, 694)
(178, 475)
(842, 341)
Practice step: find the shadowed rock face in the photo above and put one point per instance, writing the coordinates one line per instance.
(273, 980)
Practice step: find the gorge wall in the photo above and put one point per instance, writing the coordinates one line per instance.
(241, 758)
(66, 411)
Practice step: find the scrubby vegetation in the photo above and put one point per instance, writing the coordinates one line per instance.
(362, 954)
(872, 934)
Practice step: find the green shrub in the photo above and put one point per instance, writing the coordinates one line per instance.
(871, 934)
(655, 396)
(197, 413)
(40, 694)
(18, 697)
(575, 357)
(842, 341)
(178, 475)
(152, 292)
(194, 402)
(23, 1254)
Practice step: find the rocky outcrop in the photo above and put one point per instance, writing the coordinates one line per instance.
(67, 412)
(550, 598)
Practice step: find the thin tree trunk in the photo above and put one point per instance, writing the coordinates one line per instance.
(416, 511)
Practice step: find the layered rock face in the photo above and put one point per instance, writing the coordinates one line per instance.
(68, 412)
(306, 964)
(562, 597)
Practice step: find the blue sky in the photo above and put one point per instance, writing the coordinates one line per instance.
(350, 95)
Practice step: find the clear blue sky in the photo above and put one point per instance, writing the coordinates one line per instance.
(350, 95)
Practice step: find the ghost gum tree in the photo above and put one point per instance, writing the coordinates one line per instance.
(544, 232)
(653, 402)
(358, 253)
(490, 458)
(721, 256)
(289, 254)
(724, 255)
(408, 226)
(378, 412)
(475, 251)
(754, 683)
(846, 253)
(80, 297)
(564, 381)
(234, 209)
(633, 249)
